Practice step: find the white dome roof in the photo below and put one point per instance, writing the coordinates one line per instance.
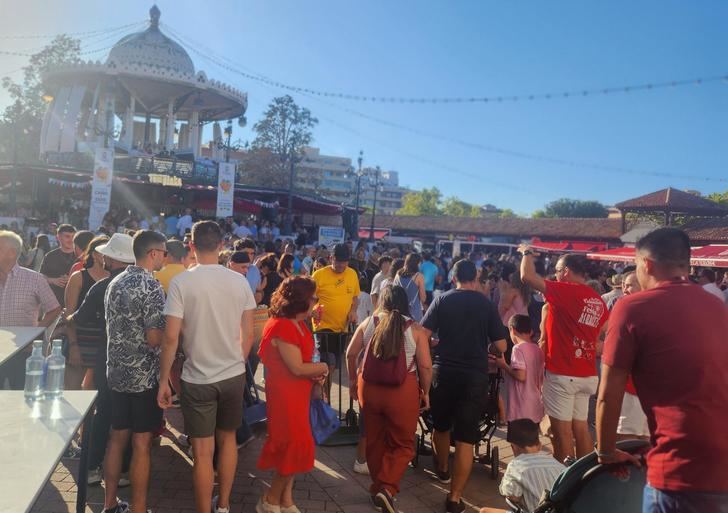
(151, 49)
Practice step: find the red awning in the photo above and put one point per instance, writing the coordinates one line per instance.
(715, 255)
(379, 234)
(240, 206)
(567, 246)
(613, 255)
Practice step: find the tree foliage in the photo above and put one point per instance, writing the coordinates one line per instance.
(566, 207)
(23, 117)
(283, 132)
(421, 203)
(719, 197)
(453, 206)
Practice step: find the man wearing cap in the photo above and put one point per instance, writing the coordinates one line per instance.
(610, 298)
(337, 287)
(176, 256)
(117, 254)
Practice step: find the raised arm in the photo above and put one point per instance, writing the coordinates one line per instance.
(528, 269)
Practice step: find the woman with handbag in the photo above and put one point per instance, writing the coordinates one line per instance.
(286, 350)
(396, 350)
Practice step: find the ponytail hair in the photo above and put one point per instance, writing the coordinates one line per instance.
(389, 331)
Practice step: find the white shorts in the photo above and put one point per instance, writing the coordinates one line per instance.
(567, 397)
(632, 419)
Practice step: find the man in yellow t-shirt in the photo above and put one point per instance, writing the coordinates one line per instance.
(337, 287)
(176, 258)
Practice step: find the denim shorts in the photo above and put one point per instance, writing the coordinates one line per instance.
(663, 501)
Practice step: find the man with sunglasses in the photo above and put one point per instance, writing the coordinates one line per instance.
(134, 304)
(576, 319)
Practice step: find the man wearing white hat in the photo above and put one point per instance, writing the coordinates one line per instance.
(118, 254)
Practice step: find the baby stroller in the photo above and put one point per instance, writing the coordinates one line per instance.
(588, 486)
(488, 426)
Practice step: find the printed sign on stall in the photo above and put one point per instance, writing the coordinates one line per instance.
(330, 235)
(225, 189)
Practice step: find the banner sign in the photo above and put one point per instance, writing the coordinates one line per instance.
(330, 235)
(225, 189)
(101, 187)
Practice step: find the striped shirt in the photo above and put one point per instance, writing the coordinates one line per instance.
(528, 475)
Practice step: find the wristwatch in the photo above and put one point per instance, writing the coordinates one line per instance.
(527, 252)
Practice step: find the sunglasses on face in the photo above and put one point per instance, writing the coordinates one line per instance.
(157, 249)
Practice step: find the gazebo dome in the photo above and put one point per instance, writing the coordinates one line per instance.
(151, 49)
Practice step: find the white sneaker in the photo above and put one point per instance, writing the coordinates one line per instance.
(215, 508)
(124, 480)
(361, 468)
(264, 507)
(94, 476)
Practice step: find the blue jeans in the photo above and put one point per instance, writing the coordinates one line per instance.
(659, 501)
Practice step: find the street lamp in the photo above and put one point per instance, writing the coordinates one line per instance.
(359, 174)
(227, 146)
(374, 206)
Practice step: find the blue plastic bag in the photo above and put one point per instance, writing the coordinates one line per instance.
(324, 420)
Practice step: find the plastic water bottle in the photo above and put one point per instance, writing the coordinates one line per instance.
(55, 372)
(34, 373)
(316, 358)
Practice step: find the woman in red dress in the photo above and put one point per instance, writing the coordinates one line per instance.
(286, 350)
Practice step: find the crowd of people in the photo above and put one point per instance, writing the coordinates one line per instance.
(153, 319)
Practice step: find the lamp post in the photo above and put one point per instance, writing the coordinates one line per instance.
(225, 144)
(374, 206)
(288, 225)
(359, 174)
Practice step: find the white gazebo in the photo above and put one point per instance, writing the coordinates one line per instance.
(146, 99)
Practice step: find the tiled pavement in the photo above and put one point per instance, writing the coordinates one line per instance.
(331, 487)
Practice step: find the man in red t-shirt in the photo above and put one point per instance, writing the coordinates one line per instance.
(672, 338)
(574, 322)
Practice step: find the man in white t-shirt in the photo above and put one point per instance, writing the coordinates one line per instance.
(212, 307)
(384, 263)
(706, 278)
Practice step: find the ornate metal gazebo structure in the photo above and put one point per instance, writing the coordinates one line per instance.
(146, 99)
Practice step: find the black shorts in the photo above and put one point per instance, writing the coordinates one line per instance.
(136, 411)
(458, 401)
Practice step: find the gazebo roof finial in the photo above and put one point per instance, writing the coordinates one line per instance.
(154, 14)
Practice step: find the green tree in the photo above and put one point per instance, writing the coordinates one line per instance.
(422, 203)
(506, 213)
(22, 119)
(453, 206)
(566, 207)
(284, 131)
(719, 197)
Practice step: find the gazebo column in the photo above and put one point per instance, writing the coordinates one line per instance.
(100, 123)
(129, 124)
(195, 133)
(162, 135)
(147, 126)
(169, 142)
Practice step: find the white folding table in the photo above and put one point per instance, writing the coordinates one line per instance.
(14, 339)
(33, 438)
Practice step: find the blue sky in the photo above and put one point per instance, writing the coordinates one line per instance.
(667, 137)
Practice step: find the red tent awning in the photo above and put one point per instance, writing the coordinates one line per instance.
(379, 234)
(567, 246)
(715, 255)
(240, 205)
(613, 255)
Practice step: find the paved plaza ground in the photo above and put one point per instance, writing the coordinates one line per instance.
(330, 488)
